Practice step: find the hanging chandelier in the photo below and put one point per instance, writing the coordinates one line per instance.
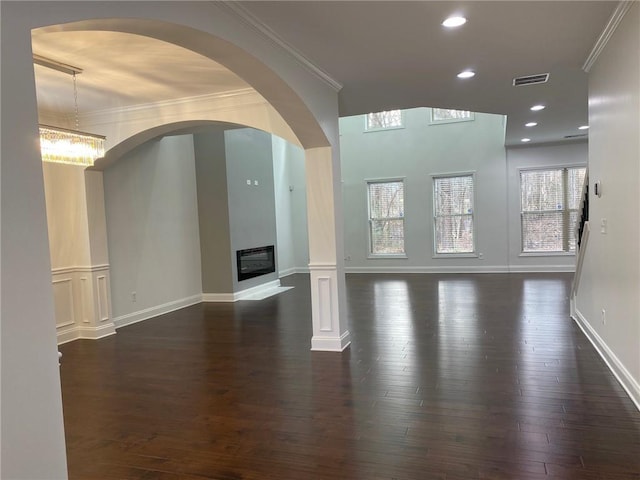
(61, 145)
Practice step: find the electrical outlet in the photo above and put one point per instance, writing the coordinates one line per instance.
(133, 296)
(603, 314)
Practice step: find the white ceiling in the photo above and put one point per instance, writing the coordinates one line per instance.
(386, 54)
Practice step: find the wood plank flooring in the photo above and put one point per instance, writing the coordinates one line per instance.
(448, 377)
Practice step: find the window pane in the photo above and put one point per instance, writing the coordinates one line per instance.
(541, 190)
(445, 114)
(542, 232)
(386, 200)
(575, 179)
(453, 195)
(454, 234)
(573, 218)
(390, 119)
(387, 236)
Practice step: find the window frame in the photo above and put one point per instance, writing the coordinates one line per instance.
(474, 252)
(433, 121)
(370, 253)
(566, 212)
(382, 129)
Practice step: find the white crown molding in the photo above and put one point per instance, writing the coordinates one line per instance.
(257, 25)
(616, 17)
(251, 93)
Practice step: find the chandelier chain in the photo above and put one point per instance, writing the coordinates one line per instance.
(75, 101)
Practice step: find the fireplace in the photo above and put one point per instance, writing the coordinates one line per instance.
(253, 262)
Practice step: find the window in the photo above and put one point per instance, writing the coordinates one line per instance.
(386, 217)
(445, 115)
(549, 208)
(453, 214)
(383, 120)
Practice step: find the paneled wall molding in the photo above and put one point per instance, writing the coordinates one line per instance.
(82, 302)
(618, 369)
(87, 268)
(616, 17)
(327, 335)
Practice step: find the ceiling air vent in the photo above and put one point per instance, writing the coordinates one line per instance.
(531, 79)
(580, 135)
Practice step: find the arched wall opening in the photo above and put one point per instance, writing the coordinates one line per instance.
(31, 388)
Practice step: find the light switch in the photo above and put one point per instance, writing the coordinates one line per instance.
(255, 182)
(603, 226)
(248, 182)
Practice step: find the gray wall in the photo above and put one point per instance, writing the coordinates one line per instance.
(611, 272)
(213, 212)
(415, 153)
(291, 207)
(152, 225)
(252, 215)
(573, 154)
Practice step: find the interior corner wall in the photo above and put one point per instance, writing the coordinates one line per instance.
(610, 280)
(561, 155)
(152, 227)
(291, 207)
(252, 216)
(414, 153)
(213, 211)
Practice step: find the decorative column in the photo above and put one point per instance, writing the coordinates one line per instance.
(326, 265)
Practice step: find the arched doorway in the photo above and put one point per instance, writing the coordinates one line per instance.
(31, 390)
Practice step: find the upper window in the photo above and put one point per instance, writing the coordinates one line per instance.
(384, 120)
(453, 214)
(386, 217)
(446, 115)
(549, 208)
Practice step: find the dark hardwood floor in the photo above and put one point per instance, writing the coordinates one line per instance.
(447, 377)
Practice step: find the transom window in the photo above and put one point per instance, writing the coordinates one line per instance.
(549, 202)
(386, 217)
(447, 115)
(453, 201)
(384, 120)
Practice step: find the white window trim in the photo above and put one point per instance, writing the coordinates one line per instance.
(554, 253)
(384, 129)
(382, 256)
(432, 121)
(474, 253)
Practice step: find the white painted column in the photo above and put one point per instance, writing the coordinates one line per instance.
(326, 265)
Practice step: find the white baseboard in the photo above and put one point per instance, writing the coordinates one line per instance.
(424, 269)
(542, 268)
(623, 376)
(242, 294)
(147, 313)
(330, 344)
(92, 333)
(286, 272)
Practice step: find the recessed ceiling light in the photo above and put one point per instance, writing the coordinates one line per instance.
(583, 127)
(454, 21)
(530, 124)
(525, 140)
(536, 108)
(466, 74)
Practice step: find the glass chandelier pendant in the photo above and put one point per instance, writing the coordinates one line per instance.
(69, 146)
(61, 145)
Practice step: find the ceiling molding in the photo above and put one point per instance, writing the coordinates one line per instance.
(248, 93)
(264, 30)
(617, 16)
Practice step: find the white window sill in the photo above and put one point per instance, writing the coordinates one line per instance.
(382, 129)
(455, 255)
(386, 256)
(547, 254)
